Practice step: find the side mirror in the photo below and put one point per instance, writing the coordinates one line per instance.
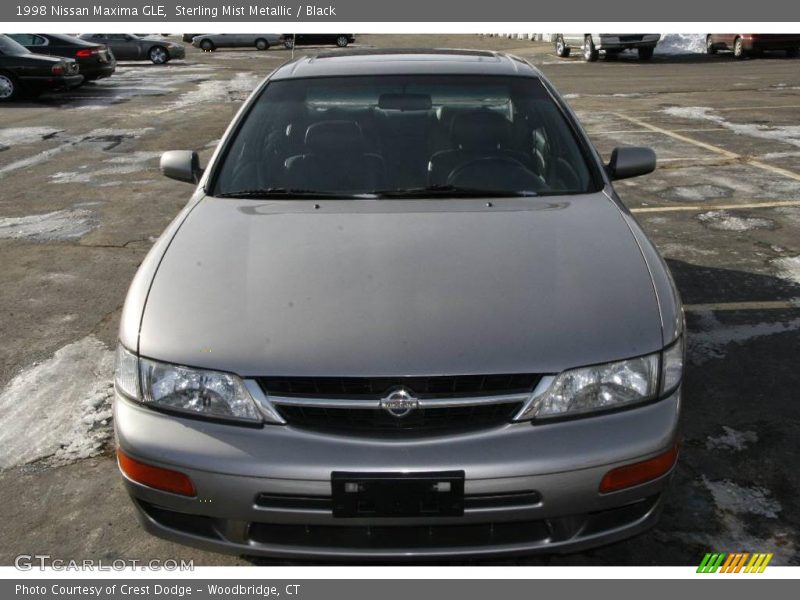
(631, 161)
(183, 165)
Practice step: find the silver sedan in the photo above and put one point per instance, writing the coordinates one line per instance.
(212, 41)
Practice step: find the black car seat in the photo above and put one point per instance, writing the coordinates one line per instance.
(474, 135)
(335, 159)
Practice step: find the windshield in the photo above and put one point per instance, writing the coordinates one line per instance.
(10, 47)
(394, 136)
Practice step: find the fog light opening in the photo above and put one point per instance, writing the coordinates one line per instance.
(638, 473)
(155, 477)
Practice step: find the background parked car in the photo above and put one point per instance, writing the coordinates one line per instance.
(592, 44)
(187, 37)
(95, 60)
(211, 41)
(742, 44)
(290, 40)
(21, 71)
(127, 46)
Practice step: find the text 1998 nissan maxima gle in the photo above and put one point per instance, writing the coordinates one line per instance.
(404, 315)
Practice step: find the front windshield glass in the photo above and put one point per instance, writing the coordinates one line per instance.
(10, 47)
(394, 136)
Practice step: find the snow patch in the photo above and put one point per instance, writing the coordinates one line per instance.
(731, 440)
(712, 337)
(722, 220)
(220, 90)
(59, 225)
(58, 410)
(682, 43)
(734, 498)
(133, 162)
(789, 267)
(788, 134)
(696, 193)
(10, 136)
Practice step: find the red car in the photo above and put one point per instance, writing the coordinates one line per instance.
(743, 44)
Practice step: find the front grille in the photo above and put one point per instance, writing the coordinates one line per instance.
(452, 418)
(373, 388)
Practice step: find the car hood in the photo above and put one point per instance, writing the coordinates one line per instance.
(412, 287)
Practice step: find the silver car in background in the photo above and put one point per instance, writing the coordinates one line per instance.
(403, 316)
(212, 41)
(610, 44)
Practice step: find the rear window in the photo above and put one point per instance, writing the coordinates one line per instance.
(395, 135)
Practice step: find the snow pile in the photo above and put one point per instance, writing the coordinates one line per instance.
(682, 43)
(220, 90)
(59, 225)
(59, 409)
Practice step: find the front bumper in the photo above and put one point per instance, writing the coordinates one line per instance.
(232, 465)
(618, 42)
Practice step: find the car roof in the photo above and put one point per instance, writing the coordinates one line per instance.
(406, 62)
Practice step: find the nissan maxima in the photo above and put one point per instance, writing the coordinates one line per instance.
(404, 315)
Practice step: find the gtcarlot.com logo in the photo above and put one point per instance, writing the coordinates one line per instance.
(737, 562)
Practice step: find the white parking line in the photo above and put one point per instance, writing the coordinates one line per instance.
(705, 207)
(754, 305)
(711, 147)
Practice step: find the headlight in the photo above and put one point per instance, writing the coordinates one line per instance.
(208, 393)
(597, 388)
(211, 394)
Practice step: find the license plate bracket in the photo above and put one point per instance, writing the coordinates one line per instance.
(433, 494)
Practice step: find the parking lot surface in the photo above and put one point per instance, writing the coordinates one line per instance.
(81, 202)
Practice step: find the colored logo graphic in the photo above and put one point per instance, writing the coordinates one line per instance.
(738, 562)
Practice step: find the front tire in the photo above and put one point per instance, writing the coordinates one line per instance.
(590, 53)
(646, 52)
(562, 50)
(793, 53)
(262, 44)
(9, 88)
(738, 49)
(342, 41)
(207, 46)
(288, 43)
(158, 55)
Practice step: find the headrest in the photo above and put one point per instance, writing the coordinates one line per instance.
(334, 136)
(480, 128)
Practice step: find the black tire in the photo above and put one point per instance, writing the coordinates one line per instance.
(710, 47)
(342, 41)
(738, 49)
(207, 46)
(288, 43)
(562, 50)
(158, 55)
(262, 44)
(9, 88)
(793, 52)
(646, 52)
(590, 53)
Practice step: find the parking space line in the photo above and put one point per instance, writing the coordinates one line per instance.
(687, 130)
(704, 207)
(711, 148)
(754, 305)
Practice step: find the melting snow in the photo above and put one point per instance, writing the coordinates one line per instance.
(789, 267)
(737, 499)
(731, 440)
(59, 409)
(696, 193)
(220, 90)
(722, 220)
(10, 136)
(59, 225)
(788, 134)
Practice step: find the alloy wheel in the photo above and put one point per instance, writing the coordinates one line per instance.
(6, 87)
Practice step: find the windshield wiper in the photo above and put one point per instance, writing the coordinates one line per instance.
(453, 191)
(289, 193)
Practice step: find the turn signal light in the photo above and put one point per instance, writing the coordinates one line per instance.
(641, 472)
(155, 477)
